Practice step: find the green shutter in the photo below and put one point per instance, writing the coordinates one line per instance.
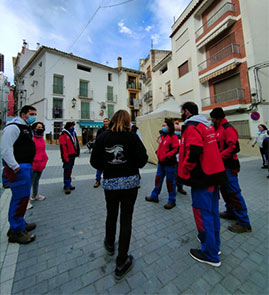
(85, 110)
(110, 93)
(83, 88)
(110, 110)
(57, 84)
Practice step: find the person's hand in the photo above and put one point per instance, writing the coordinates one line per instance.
(16, 170)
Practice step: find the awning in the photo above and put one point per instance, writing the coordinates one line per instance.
(87, 124)
(218, 72)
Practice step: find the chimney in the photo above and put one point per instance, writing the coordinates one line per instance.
(119, 62)
(23, 46)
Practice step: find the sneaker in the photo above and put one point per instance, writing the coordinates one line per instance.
(264, 167)
(29, 205)
(150, 199)
(199, 256)
(169, 206)
(67, 191)
(21, 238)
(38, 198)
(182, 191)
(72, 188)
(121, 271)
(97, 183)
(238, 228)
(28, 227)
(226, 215)
(109, 249)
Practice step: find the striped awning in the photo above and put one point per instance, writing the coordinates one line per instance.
(218, 72)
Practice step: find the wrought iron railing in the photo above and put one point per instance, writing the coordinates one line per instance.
(220, 55)
(225, 8)
(237, 93)
(133, 85)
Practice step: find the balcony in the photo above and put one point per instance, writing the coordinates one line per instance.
(230, 50)
(227, 7)
(111, 97)
(133, 85)
(85, 93)
(148, 96)
(134, 103)
(57, 113)
(226, 96)
(87, 115)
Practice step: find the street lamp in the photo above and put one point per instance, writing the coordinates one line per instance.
(73, 101)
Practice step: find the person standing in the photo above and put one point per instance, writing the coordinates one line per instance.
(261, 135)
(119, 153)
(200, 167)
(40, 159)
(69, 148)
(98, 175)
(265, 146)
(236, 208)
(167, 165)
(18, 151)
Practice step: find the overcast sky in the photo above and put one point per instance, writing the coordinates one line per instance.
(125, 30)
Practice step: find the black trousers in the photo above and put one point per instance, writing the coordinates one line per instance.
(125, 199)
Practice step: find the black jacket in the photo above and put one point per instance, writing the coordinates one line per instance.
(118, 154)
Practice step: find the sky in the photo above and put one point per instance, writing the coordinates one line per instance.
(98, 30)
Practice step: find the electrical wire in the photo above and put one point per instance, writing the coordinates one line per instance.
(118, 4)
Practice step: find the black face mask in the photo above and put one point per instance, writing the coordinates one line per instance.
(184, 116)
(39, 131)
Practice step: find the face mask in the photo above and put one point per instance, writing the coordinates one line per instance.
(39, 131)
(164, 129)
(71, 130)
(31, 120)
(177, 133)
(183, 116)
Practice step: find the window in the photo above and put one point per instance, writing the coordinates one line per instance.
(57, 128)
(40, 64)
(83, 88)
(110, 110)
(32, 73)
(109, 93)
(83, 68)
(148, 72)
(57, 110)
(109, 76)
(242, 127)
(132, 98)
(85, 110)
(134, 114)
(164, 69)
(58, 84)
(183, 69)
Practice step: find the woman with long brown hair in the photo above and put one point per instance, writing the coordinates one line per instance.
(119, 153)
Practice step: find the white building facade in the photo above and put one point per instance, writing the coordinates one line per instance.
(64, 87)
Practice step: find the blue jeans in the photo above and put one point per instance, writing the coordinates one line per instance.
(205, 206)
(170, 173)
(234, 201)
(67, 173)
(20, 185)
(98, 175)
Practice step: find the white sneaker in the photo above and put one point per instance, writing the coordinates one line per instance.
(38, 198)
(29, 205)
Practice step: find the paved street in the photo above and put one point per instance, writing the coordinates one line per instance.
(68, 256)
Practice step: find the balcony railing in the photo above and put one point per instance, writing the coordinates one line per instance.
(57, 112)
(237, 93)
(134, 102)
(133, 85)
(85, 93)
(147, 95)
(222, 54)
(111, 97)
(87, 115)
(225, 8)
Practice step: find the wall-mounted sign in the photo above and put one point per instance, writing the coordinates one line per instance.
(255, 116)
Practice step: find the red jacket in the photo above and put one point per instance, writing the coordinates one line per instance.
(167, 149)
(200, 163)
(41, 157)
(227, 138)
(69, 146)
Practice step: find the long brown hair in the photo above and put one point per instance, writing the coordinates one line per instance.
(120, 121)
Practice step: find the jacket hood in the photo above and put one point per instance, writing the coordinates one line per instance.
(198, 118)
(17, 120)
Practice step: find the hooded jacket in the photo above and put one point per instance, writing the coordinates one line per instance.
(17, 145)
(227, 138)
(69, 146)
(167, 149)
(200, 164)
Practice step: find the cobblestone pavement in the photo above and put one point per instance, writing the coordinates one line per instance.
(68, 256)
